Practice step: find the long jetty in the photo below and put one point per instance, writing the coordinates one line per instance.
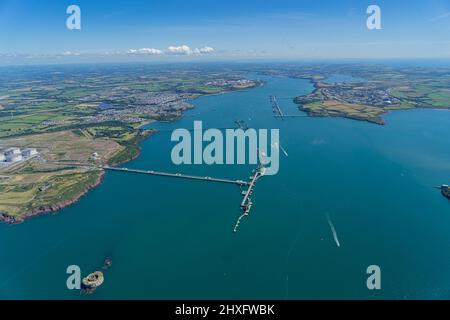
(278, 113)
(240, 183)
(177, 175)
(291, 116)
(251, 186)
(247, 203)
(276, 107)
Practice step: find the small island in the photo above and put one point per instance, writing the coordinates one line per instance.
(92, 282)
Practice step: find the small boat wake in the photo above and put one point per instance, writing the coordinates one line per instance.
(333, 230)
(284, 151)
(280, 147)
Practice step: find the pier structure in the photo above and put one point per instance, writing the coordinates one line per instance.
(278, 113)
(247, 203)
(177, 175)
(276, 107)
(291, 116)
(240, 183)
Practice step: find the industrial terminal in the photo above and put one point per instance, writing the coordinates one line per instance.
(15, 155)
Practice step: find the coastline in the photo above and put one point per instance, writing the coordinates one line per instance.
(147, 133)
(12, 220)
(317, 84)
(136, 144)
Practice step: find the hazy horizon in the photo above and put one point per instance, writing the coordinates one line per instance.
(35, 32)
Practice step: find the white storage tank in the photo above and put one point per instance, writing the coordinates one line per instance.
(12, 151)
(14, 157)
(29, 152)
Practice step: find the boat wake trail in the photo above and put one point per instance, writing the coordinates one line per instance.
(282, 149)
(333, 230)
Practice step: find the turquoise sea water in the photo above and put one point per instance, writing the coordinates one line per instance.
(173, 239)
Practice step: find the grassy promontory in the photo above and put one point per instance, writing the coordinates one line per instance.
(370, 99)
(44, 185)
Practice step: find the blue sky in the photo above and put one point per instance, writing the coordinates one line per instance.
(263, 29)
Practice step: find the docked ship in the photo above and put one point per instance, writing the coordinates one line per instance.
(445, 190)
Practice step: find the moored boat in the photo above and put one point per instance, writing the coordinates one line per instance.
(445, 190)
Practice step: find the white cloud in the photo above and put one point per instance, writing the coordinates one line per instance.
(183, 49)
(147, 51)
(172, 50)
(70, 53)
(186, 50)
(205, 50)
